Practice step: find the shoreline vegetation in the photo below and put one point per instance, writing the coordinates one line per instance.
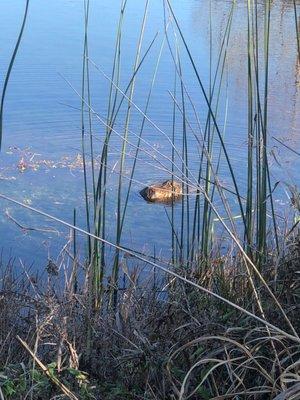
(220, 318)
(166, 339)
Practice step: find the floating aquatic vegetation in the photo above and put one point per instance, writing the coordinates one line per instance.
(29, 161)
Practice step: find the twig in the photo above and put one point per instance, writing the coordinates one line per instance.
(286, 146)
(27, 228)
(56, 382)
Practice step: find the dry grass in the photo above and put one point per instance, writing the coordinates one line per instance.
(165, 340)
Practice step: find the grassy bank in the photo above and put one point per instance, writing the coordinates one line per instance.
(165, 339)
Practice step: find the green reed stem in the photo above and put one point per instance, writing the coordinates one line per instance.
(115, 270)
(10, 66)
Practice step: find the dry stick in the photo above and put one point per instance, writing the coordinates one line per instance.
(61, 386)
(294, 337)
(285, 145)
(28, 228)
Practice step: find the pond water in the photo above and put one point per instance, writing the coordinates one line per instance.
(40, 162)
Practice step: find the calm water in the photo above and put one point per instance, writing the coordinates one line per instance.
(42, 118)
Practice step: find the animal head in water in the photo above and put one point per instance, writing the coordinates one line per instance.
(164, 192)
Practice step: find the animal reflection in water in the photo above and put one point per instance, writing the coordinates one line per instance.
(165, 192)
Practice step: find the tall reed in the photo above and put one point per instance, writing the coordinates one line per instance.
(10, 67)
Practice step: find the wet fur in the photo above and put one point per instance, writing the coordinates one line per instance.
(163, 192)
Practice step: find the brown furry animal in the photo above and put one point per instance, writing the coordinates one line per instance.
(164, 192)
